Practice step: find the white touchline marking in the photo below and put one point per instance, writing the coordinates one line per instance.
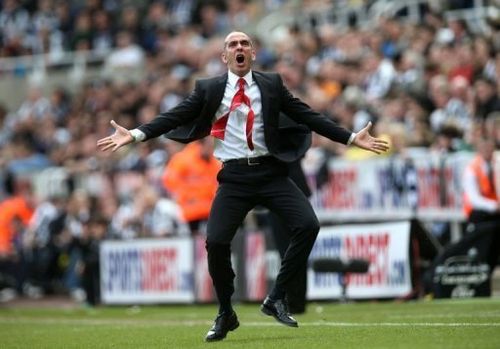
(138, 322)
(492, 314)
(384, 324)
(402, 324)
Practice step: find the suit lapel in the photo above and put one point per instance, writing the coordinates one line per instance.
(215, 94)
(264, 94)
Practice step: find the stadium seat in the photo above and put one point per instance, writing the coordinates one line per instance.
(343, 268)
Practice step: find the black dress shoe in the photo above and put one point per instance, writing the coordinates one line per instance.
(279, 310)
(222, 325)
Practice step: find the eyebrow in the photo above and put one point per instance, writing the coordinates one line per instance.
(242, 41)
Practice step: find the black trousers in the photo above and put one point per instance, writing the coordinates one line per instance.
(297, 290)
(242, 187)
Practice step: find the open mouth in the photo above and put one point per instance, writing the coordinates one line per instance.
(240, 58)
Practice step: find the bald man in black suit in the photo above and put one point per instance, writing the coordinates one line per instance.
(243, 110)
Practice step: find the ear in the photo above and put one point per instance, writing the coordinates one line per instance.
(223, 58)
(254, 56)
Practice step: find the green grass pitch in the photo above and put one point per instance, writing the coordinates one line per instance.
(472, 323)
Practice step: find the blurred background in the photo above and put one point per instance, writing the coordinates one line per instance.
(92, 228)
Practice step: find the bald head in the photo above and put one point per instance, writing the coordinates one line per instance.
(236, 34)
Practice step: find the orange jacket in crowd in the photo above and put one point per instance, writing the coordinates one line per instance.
(192, 181)
(12, 210)
(485, 185)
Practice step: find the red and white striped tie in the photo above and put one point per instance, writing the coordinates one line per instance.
(219, 127)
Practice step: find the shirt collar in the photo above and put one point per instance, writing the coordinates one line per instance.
(232, 78)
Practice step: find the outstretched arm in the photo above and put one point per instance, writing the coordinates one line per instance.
(364, 140)
(303, 114)
(118, 139)
(181, 114)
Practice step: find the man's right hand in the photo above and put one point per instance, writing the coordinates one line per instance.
(117, 140)
(365, 141)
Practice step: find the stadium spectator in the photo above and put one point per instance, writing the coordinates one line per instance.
(24, 158)
(181, 12)
(446, 141)
(158, 19)
(191, 179)
(147, 214)
(40, 250)
(44, 16)
(239, 13)
(487, 98)
(65, 20)
(419, 107)
(103, 35)
(480, 245)
(59, 105)
(14, 210)
(492, 126)
(212, 21)
(161, 217)
(380, 75)
(126, 57)
(484, 57)
(15, 214)
(81, 36)
(452, 107)
(130, 21)
(14, 24)
(33, 108)
(463, 63)
(46, 37)
(481, 202)
(251, 163)
(409, 68)
(94, 232)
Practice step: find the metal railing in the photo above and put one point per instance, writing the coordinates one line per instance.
(40, 63)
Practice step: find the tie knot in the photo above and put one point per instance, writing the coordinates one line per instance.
(241, 83)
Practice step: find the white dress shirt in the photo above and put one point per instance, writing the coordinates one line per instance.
(235, 145)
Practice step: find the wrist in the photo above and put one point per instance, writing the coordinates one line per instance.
(137, 135)
(351, 138)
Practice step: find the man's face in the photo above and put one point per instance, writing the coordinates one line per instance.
(238, 53)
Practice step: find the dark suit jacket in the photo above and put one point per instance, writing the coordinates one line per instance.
(287, 136)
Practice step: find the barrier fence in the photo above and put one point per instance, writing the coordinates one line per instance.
(424, 186)
(175, 270)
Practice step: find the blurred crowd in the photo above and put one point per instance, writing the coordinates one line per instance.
(433, 84)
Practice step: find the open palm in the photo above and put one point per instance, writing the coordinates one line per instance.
(365, 141)
(118, 139)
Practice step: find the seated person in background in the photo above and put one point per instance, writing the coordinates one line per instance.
(481, 201)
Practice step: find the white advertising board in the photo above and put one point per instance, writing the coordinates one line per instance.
(147, 271)
(385, 246)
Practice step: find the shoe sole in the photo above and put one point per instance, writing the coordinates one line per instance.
(234, 327)
(268, 312)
